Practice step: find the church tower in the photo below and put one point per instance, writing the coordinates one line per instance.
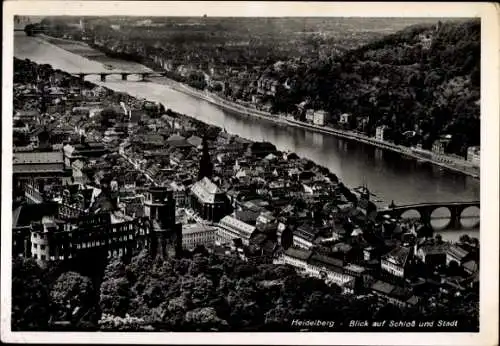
(206, 165)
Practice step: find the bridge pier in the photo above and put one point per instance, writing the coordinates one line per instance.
(103, 77)
(82, 76)
(456, 215)
(124, 76)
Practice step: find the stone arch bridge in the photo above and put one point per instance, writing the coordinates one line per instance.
(425, 212)
(123, 74)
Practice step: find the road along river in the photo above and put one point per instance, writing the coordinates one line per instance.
(389, 175)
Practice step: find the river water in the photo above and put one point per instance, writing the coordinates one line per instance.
(388, 175)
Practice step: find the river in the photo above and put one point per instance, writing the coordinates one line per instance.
(388, 175)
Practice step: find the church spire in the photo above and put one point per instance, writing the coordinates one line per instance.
(206, 166)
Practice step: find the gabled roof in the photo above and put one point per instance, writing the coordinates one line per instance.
(205, 190)
(195, 141)
(471, 266)
(48, 157)
(327, 261)
(399, 255)
(435, 249)
(383, 287)
(25, 214)
(244, 229)
(298, 253)
(175, 137)
(457, 251)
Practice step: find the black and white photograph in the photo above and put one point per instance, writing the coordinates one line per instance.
(238, 168)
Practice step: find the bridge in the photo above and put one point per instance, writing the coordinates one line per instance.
(123, 74)
(426, 212)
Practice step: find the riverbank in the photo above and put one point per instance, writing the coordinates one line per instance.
(389, 175)
(443, 161)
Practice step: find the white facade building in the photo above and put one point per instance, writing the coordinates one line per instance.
(395, 261)
(181, 196)
(379, 132)
(318, 266)
(230, 228)
(473, 155)
(320, 117)
(198, 234)
(345, 118)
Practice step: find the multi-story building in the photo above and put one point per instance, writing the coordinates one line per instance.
(37, 169)
(380, 131)
(266, 222)
(456, 253)
(230, 228)
(209, 201)
(310, 115)
(363, 276)
(474, 155)
(395, 261)
(438, 147)
(180, 194)
(331, 269)
(432, 254)
(296, 257)
(304, 237)
(54, 239)
(320, 117)
(83, 150)
(396, 295)
(197, 234)
(316, 265)
(345, 118)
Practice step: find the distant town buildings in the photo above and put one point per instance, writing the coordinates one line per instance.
(345, 118)
(320, 117)
(474, 155)
(379, 132)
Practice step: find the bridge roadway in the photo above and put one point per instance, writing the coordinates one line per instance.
(123, 74)
(425, 212)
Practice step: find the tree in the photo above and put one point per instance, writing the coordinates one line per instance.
(72, 290)
(30, 296)
(114, 294)
(106, 116)
(204, 319)
(464, 238)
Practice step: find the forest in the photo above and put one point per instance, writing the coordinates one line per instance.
(423, 78)
(201, 292)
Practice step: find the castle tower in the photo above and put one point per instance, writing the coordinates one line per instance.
(159, 200)
(166, 235)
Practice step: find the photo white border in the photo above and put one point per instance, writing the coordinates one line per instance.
(490, 91)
